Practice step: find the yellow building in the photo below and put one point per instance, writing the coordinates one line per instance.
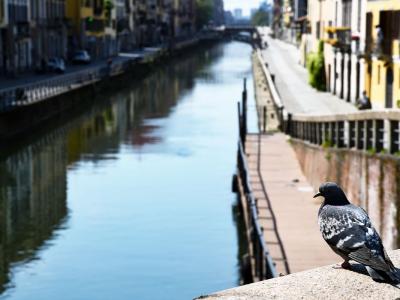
(382, 52)
(93, 26)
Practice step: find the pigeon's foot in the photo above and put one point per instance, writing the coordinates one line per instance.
(344, 265)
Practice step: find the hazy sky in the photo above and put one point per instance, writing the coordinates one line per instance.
(246, 5)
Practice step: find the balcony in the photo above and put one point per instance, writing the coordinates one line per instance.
(339, 37)
(384, 50)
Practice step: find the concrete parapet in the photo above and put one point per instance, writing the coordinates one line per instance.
(321, 283)
(386, 114)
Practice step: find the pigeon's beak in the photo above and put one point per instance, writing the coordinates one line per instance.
(317, 195)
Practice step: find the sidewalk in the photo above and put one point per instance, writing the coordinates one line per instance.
(291, 200)
(291, 80)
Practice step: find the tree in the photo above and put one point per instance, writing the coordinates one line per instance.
(260, 18)
(204, 12)
(316, 68)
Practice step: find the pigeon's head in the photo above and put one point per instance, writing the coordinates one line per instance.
(332, 193)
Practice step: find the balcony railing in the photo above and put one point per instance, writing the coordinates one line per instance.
(339, 37)
(385, 48)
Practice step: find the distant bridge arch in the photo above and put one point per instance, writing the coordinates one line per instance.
(254, 38)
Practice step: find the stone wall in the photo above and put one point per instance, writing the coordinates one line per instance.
(369, 180)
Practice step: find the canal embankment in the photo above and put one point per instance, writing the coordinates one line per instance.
(359, 150)
(335, 143)
(285, 209)
(27, 102)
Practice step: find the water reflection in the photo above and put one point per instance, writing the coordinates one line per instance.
(146, 211)
(32, 202)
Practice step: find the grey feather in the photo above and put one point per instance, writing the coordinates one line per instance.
(349, 232)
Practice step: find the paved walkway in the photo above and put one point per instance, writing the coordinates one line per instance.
(291, 199)
(291, 80)
(263, 206)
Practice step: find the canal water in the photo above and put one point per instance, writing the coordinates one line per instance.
(131, 199)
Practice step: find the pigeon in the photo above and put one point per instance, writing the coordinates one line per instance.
(348, 231)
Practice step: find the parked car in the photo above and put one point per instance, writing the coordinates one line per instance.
(56, 65)
(81, 57)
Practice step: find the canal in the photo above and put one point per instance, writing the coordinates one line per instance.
(132, 198)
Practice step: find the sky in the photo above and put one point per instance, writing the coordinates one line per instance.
(246, 5)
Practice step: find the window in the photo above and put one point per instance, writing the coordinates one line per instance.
(336, 9)
(346, 14)
(359, 16)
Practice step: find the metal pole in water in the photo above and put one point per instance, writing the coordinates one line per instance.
(264, 119)
(244, 105)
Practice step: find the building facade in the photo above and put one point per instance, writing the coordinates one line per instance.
(361, 48)
(93, 27)
(49, 30)
(34, 31)
(15, 37)
(382, 53)
(338, 24)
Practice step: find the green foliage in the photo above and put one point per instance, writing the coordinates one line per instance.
(384, 151)
(316, 68)
(371, 151)
(108, 4)
(260, 18)
(204, 12)
(327, 144)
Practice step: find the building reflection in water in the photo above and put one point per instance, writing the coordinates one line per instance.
(33, 177)
(32, 201)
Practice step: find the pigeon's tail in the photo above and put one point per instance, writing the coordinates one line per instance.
(391, 276)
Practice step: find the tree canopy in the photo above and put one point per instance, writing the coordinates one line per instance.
(204, 12)
(260, 18)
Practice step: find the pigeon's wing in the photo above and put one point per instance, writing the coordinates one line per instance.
(364, 245)
(368, 257)
(350, 232)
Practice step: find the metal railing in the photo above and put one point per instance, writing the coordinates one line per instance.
(27, 94)
(374, 130)
(264, 265)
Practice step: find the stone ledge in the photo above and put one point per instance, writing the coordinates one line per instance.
(321, 283)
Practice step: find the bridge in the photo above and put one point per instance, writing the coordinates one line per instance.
(254, 37)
